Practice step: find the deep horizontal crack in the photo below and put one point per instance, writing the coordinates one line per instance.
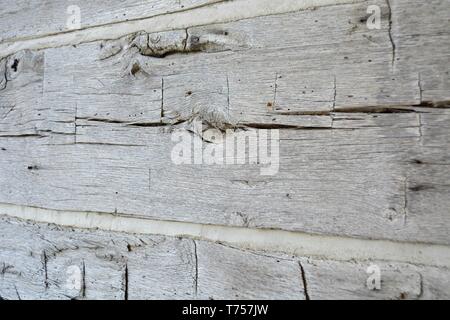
(108, 144)
(277, 126)
(127, 123)
(24, 135)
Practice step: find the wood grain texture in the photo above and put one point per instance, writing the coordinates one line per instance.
(362, 118)
(36, 259)
(420, 34)
(372, 176)
(362, 154)
(331, 280)
(114, 266)
(225, 273)
(36, 18)
(120, 266)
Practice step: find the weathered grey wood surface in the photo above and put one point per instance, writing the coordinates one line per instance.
(363, 118)
(36, 262)
(25, 19)
(83, 128)
(369, 178)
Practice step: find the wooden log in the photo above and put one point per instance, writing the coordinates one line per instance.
(37, 19)
(357, 120)
(369, 176)
(351, 176)
(40, 261)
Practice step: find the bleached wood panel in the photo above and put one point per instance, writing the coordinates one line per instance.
(421, 37)
(37, 18)
(232, 273)
(120, 266)
(21, 94)
(331, 280)
(372, 176)
(91, 126)
(37, 262)
(162, 268)
(336, 62)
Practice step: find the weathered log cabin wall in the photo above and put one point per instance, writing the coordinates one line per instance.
(88, 115)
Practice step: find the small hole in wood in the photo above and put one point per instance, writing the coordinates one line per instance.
(135, 69)
(15, 65)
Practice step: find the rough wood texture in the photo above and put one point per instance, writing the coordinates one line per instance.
(35, 262)
(363, 118)
(350, 163)
(380, 171)
(229, 273)
(37, 18)
(331, 280)
(114, 266)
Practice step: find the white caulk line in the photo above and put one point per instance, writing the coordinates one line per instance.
(18, 37)
(296, 243)
(220, 12)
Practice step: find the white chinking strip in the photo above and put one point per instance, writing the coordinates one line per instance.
(296, 243)
(221, 12)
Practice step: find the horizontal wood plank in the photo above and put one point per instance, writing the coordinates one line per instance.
(365, 177)
(40, 261)
(36, 18)
(89, 127)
